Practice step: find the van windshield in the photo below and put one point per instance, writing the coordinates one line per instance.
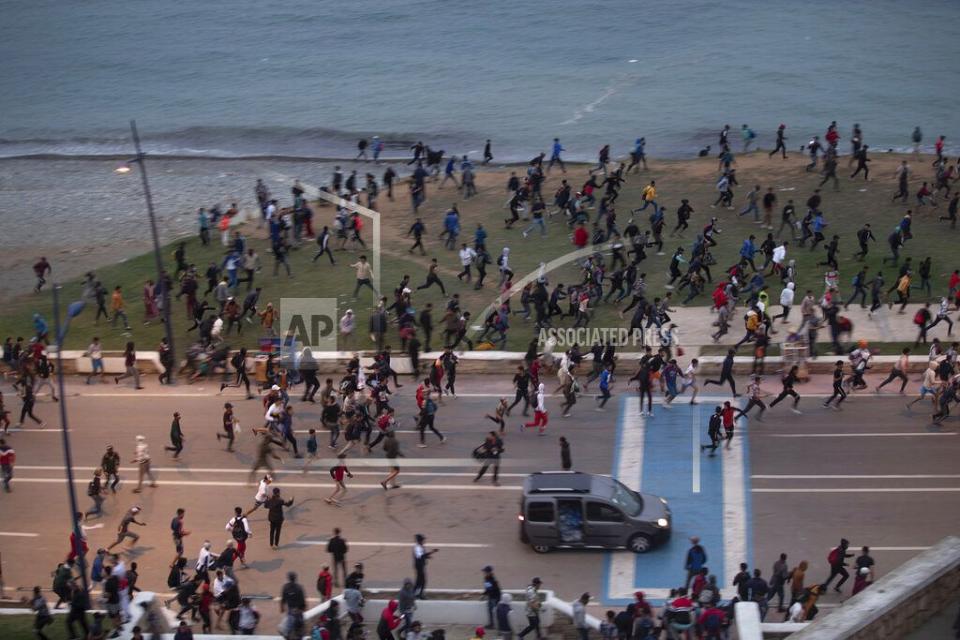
(627, 500)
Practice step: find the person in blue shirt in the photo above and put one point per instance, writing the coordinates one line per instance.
(819, 224)
(555, 156)
(480, 238)
(203, 221)
(638, 156)
(747, 251)
(604, 387)
(449, 173)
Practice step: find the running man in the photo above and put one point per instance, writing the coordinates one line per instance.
(788, 381)
(838, 393)
(123, 529)
(756, 395)
(713, 431)
(540, 416)
(899, 371)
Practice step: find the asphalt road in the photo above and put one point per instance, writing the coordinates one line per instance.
(872, 473)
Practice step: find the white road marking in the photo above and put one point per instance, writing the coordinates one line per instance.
(91, 527)
(437, 545)
(135, 395)
(629, 471)
(14, 534)
(864, 490)
(734, 509)
(858, 435)
(695, 437)
(855, 477)
(303, 485)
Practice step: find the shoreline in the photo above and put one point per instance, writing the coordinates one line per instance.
(91, 217)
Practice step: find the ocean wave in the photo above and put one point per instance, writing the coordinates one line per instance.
(233, 142)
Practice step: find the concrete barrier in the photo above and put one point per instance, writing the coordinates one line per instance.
(476, 362)
(437, 611)
(899, 602)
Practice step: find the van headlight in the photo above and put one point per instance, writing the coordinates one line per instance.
(663, 501)
(663, 523)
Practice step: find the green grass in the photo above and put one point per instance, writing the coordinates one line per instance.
(845, 210)
(20, 627)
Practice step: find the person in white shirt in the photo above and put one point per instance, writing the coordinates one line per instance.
(205, 559)
(142, 459)
(690, 380)
(263, 492)
(796, 614)
(347, 324)
(467, 256)
(779, 257)
(786, 301)
(540, 417)
(95, 352)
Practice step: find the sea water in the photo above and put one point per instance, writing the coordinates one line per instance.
(307, 78)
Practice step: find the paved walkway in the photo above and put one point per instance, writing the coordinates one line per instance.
(886, 325)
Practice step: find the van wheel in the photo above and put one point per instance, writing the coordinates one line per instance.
(639, 543)
(541, 548)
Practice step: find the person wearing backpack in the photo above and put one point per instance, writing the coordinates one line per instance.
(837, 561)
(239, 528)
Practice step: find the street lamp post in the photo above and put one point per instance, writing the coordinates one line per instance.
(72, 311)
(140, 159)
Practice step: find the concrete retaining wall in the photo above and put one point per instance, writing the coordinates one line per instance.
(477, 362)
(897, 603)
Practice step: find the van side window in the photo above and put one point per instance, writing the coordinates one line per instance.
(599, 512)
(540, 512)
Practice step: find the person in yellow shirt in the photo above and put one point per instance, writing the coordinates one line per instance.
(117, 306)
(267, 317)
(903, 291)
(649, 196)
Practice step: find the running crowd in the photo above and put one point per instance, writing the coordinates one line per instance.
(357, 413)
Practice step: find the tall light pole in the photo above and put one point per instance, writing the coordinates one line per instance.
(72, 312)
(140, 160)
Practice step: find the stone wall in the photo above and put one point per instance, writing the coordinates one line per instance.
(897, 603)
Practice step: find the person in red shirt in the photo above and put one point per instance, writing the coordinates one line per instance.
(389, 620)
(7, 458)
(726, 414)
(325, 583)
(939, 147)
(679, 615)
(712, 623)
(580, 236)
(338, 473)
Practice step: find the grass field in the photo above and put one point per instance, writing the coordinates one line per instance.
(846, 210)
(20, 627)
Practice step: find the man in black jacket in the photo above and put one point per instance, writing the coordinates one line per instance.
(726, 373)
(337, 548)
(275, 505)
